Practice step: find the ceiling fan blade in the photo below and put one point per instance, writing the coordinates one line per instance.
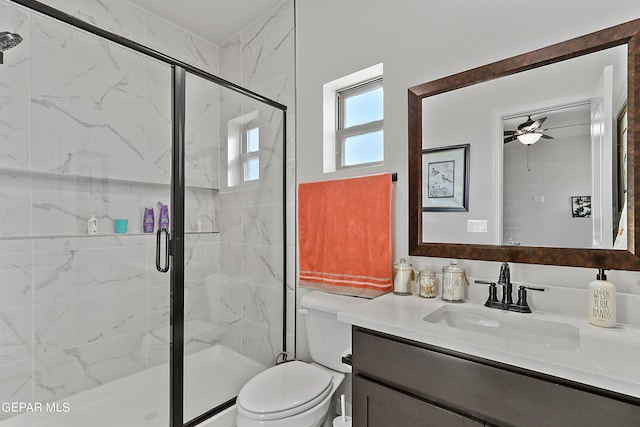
(545, 136)
(531, 125)
(509, 132)
(510, 138)
(537, 123)
(525, 124)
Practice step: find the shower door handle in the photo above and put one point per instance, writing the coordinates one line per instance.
(165, 268)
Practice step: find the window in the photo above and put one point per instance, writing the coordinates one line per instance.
(251, 153)
(243, 149)
(352, 119)
(359, 134)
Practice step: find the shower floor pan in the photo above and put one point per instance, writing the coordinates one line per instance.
(212, 376)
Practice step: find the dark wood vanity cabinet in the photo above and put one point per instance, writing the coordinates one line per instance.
(386, 407)
(397, 382)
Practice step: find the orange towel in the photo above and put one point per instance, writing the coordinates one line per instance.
(344, 233)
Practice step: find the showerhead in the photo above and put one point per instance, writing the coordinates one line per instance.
(7, 41)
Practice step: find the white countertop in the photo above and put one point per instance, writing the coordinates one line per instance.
(605, 357)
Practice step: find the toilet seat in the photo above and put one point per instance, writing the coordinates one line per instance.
(283, 391)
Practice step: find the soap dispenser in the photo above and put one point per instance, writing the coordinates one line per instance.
(601, 296)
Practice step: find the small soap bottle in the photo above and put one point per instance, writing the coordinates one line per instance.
(92, 225)
(163, 220)
(147, 220)
(601, 296)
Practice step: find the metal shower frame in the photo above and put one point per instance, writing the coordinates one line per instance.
(176, 246)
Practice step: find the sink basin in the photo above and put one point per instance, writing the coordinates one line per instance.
(507, 325)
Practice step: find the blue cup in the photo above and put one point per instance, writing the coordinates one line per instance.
(121, 225)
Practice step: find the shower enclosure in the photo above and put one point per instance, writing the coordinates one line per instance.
(133, 328)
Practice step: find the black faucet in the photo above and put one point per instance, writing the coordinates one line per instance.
(504, 279)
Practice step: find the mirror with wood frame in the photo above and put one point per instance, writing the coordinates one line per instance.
(441, 199)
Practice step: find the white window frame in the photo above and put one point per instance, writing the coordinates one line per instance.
(330, 116)
(236, 146)
(249, 155)
(342, 132)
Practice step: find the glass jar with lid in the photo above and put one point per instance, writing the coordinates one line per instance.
(427, 283)
(453, 282)
(403, 271)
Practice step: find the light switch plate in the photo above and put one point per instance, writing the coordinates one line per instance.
(477, 225)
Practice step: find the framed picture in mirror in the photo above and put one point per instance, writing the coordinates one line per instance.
(445, 178)
(581, 206)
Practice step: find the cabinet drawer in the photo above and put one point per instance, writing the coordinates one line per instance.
(483, 391)
(379, 406)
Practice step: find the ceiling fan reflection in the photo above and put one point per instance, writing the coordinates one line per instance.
(528, 132)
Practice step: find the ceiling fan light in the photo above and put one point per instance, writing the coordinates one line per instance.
(529, 138)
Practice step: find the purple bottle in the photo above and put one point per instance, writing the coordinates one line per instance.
(164, 216)
(147, 221)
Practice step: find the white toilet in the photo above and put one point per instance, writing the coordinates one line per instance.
(298, 394)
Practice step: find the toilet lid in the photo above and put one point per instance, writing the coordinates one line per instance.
(284, 390)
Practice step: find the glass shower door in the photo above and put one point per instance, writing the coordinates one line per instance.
(87, 145)
(85, 134)
(234, 265)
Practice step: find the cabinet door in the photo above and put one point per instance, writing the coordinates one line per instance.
(377, 406)
(485, 391)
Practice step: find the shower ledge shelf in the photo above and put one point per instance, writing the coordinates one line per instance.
(94, 236)
(96, 178)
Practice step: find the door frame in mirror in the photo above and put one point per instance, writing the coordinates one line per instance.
(627, 33)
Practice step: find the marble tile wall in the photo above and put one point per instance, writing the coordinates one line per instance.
(261, 58)
(77, 312)
(85, 129)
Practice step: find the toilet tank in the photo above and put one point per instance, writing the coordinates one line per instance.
(328, 337)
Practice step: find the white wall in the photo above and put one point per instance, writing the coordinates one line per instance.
(557, 171)
(419, 41)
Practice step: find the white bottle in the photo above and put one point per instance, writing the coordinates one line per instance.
(92, 225)
(601, 296)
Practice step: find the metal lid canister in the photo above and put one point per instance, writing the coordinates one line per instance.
(427, 283)
(402, 277)
(453, 282)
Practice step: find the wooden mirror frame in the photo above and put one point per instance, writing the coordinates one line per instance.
(627, 33)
